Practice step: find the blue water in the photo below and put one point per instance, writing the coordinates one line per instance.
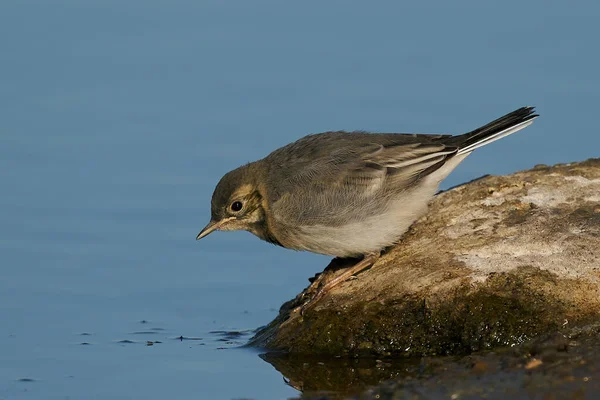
(118, 118)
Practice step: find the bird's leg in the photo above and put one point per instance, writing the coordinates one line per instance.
(363, 264)
(321, 278)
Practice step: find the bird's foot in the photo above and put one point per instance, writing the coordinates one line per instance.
(323, 284)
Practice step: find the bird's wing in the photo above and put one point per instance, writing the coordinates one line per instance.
(321, 184)
(406, 164)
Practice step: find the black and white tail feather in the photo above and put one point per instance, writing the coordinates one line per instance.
(502, 127)
(437, 156)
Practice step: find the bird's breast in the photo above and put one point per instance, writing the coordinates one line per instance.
(371, 228)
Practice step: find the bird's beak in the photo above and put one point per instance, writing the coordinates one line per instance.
(213, 226)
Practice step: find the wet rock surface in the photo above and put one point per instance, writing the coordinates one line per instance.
(552, 366)
(495, 263)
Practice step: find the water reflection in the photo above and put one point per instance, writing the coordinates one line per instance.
(557, 365)
(339, 378)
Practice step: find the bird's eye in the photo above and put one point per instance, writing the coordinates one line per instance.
(236, 206)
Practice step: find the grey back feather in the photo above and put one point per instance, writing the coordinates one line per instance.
(330, 178)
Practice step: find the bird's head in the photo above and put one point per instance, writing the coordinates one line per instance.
(237, 203)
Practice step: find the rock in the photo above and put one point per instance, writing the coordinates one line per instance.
(495, 262)
(557, 366)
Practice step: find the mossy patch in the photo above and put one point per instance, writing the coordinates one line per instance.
(507, 309)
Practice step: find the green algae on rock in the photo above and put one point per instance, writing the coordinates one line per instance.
(495, 262)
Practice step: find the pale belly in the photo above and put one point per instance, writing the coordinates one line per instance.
(367, 235)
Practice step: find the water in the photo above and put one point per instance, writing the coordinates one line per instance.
(117, 119)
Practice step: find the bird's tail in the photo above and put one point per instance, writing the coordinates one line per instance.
(503, 126)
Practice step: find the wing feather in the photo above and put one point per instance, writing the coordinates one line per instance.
(340, 181)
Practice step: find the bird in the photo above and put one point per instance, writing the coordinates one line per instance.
(346, 194)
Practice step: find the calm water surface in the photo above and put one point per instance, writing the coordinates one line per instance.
(118, 118)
